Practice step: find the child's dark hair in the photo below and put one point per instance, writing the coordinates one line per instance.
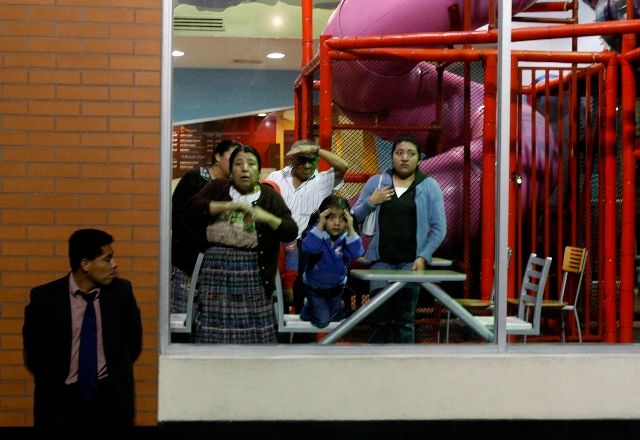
(306, 261)
(330, 202)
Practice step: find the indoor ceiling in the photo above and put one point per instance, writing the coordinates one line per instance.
(237, 34)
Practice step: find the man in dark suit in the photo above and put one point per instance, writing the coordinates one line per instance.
(84, 384)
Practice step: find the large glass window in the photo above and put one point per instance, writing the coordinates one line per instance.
(231, 90)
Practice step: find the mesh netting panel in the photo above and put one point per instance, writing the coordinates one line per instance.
(375, 101)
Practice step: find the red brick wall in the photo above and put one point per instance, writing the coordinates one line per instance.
(79, 147)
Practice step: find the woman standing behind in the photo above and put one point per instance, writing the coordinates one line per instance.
(410, 224)
(244, 223)
(184, 239)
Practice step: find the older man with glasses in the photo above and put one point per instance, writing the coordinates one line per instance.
(303, 187)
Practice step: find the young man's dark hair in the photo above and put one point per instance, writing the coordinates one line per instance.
(86, 244)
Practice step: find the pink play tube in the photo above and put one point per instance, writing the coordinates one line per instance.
(447, 169)
(402, 92)
(396, 93)
(383, 17)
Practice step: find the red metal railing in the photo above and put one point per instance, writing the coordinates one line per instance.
(603, 68)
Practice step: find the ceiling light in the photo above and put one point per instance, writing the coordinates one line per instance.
(275, 55)
(262, 115)
(177, 53)
(277, 21)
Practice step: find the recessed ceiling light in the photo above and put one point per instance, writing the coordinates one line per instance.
(177, 53)
(275, 55)
(262, 115)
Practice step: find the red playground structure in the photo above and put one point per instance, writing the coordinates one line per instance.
(574, 136)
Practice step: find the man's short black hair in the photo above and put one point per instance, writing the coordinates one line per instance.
(86, 243)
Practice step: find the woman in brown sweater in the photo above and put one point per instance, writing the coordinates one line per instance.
(242, 223)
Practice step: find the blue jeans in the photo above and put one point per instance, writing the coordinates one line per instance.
(398, 310)
(323, 306)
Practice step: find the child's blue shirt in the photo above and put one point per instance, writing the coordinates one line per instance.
(332, 268)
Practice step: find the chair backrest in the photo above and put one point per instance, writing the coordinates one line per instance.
(534, 281)
(493, 289)
(574, 261)
(279, 301)
(183, 322)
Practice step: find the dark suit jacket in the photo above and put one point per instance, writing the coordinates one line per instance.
(47, 343)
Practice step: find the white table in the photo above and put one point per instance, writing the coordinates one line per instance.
(440, 262)
(428, 278)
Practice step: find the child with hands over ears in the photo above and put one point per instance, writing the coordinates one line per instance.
(330, 243)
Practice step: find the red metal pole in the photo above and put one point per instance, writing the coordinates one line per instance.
(609, 178)
(573, 158)
(632, 55)
(627, 232)
(466, 174)
(439, 105)
(307, 31)
(306, 111)
(588, 195)
(560, 173)
(466, 14)
(547, 166)
(601, 199)
(492, 15)
(488, 209)
(326, 87)
(484, 37)
(299, 117)
(533, 182)
(515, 200)
(513, 286)
(459, 55)
(549, 7)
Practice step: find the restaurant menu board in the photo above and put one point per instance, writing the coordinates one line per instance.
(192, 147)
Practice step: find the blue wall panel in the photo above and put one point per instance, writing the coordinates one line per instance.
(203, 94)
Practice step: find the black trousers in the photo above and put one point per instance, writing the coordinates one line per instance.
(101, 417)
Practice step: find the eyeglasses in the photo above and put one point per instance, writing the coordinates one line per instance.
(301, 160)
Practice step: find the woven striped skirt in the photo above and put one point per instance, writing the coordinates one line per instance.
(180, 281)
(233, 307)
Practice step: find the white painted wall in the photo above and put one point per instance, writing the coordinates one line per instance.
(217, 387)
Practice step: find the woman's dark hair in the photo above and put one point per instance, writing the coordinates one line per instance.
(223, 146)
(245, 149)
(405, 138)
(332, 201)
(86, 244)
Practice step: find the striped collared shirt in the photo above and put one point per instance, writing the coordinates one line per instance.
(305, 199)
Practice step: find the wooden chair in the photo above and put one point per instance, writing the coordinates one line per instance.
(573, 262)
